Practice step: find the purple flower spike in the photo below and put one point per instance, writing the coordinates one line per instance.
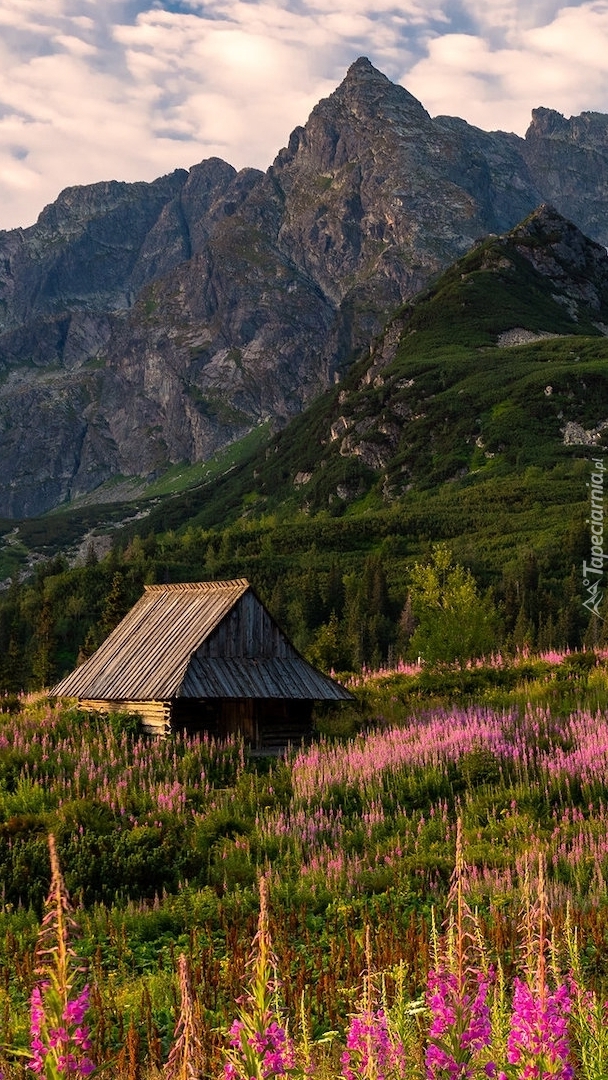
(371, 1048)
(63, 1045)
(460, 1024)
(538, 1043)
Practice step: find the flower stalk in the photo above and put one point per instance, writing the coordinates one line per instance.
(259, 1045)
(59, 1036)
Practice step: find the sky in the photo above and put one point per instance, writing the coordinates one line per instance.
(96, 90)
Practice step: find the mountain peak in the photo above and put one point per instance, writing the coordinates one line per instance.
(547, 124)
(589, 130)
(575, 266)
(365, 109)
(362, 68)
(544, 218)
(363, 82)
(547, 226)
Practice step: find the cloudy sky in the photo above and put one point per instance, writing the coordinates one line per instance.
(131, 89)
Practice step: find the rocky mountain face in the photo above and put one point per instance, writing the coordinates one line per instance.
(146, 324)
(407, 404)
(498, 367)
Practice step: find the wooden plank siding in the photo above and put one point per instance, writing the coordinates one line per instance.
(247, 630)
(265, 725)
(156, 715)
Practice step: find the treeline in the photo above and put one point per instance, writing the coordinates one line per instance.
(344, 589)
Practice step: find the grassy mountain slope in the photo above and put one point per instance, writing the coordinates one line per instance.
(439, 401)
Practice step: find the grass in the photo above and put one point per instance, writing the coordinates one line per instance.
(162, 845)
(183, 477)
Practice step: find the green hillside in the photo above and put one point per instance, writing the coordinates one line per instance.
(443, 432)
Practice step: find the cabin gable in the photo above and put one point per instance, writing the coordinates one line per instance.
(248, 630)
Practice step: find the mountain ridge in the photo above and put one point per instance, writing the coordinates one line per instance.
(146, 325)
(399, 419)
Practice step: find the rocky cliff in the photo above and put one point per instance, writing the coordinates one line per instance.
(145, 324)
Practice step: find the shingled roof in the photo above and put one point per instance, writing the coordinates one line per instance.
(178, 642)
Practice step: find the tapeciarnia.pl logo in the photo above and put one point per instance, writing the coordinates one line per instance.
(593, 571)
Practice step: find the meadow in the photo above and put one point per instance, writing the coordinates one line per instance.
(420, 893)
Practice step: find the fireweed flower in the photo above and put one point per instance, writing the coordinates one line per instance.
(271, 1050)
(538, 1045)
(460, 1024)
(258, 1044)
(370, 1048)
(457, 990)
(59, 1050)
(59, 1037)
(276, 1050)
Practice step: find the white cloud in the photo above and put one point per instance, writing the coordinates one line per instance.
(495, 18)
(559, 65)
(74, 44)
(131, 89)
(577, 37)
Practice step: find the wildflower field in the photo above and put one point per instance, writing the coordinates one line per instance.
(421, 893)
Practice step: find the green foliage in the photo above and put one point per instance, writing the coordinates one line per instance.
(123, 721)
(454, 622)
(337, 585)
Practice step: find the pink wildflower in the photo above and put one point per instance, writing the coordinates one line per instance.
(66, 1043)
(370, 1048)
(538, 1043)
(273, 1048)
(460, 1025)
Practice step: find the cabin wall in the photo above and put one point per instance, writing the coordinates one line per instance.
(156, 715)
(283, 723)
(264, 724)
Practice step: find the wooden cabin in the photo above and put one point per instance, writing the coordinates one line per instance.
(204, 656)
